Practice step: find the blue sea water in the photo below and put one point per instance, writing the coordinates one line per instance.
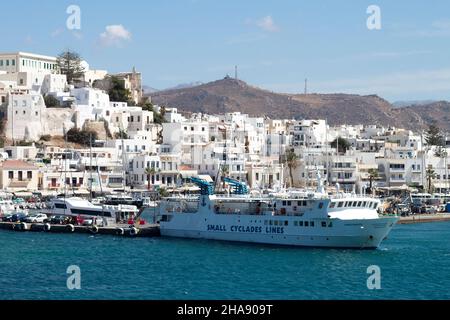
(414, 263)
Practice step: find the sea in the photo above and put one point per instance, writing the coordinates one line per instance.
(413, 263)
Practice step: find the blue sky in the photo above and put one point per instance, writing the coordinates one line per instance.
(276, 44)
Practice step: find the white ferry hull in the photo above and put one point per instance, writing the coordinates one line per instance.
(360, 234)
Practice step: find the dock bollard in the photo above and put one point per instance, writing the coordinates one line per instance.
(134, 231)
(120, 231)
(21, 226)
(94, 229)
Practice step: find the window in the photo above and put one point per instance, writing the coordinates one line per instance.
(11, 174)
(60, 206)
(289, 203)
(320, 205)
(355, 203)
(332, 205)
(29, 174)
(312, 223)
(340, 204)
(324, 224)
(359, 203)
(13, 62)
(364, 204)
(306, 224)
(300, 223)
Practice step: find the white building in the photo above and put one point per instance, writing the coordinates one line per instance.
(27, 62)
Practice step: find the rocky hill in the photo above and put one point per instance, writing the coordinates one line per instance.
(228, 95)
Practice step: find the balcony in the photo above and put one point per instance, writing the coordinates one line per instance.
(18, 183)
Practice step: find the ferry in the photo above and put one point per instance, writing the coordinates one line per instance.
(78, 207)
(308, 219)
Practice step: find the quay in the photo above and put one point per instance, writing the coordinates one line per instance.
(421, 218)
(119, 230)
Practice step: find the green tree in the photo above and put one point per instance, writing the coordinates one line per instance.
(83, 137)
(163, 192)
(373, 175)
(290, 159)
(122, 134)
(225, 173)
(45, 137)
(431, 174)
(51, 101)
(341, 144)
(433, 136)
(69, 63)
(117, 91)
(149, 172)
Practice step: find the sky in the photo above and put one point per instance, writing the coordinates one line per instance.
(275, 44)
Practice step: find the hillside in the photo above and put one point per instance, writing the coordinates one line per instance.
(228, 95)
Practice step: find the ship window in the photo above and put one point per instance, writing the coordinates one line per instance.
(365, 204)
(284, 203)
(299, 203)
(332, 204)
(346, 204)
(355, 203)
(289, 203)
(324, 224)
(60, 206)
(276, 222)
(359, 203)
(286, 222)
(312, 223)
(306, 224)
(340, 204)
(375, 205)
(300, 223)
(304, 203)
(270, 222)
(330, 224)
(320, 205)
(295, 223)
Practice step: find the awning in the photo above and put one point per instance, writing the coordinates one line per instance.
(81, 191)
(205, 177)
(24, 194)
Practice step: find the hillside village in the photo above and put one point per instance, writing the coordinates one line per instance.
(70, 135)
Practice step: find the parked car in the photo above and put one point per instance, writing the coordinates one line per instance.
(59, 219)
(87, 222)
(37, 218)
(16, 217)
(7, 218)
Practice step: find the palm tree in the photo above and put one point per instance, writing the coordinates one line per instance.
(373, 175)
(149, 172)
(431, 174)
(225, 173)
(290, 159)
